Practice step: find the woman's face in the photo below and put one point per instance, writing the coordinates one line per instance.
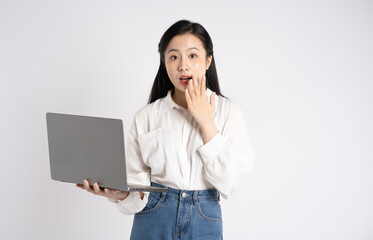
(185, 56)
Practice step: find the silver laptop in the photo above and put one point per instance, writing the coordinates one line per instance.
(92, 148)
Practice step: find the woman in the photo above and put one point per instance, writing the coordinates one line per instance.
(189, 138)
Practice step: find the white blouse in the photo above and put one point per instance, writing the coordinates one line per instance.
(165, 145)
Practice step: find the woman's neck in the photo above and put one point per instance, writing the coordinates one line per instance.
(179, 98)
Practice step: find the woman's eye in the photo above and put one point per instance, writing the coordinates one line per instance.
(193, 55)
(173, 57)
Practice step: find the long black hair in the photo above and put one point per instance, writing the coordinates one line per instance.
(162, 83)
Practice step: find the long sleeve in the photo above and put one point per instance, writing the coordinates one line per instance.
(229, 156)
(138, 173)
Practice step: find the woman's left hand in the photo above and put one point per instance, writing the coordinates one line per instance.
(198, 105)
(200, 108)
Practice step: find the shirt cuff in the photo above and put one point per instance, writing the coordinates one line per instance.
(132, 204)
(212, 148)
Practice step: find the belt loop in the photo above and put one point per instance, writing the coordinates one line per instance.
(218, 195)
(163, 196)
(195, 199)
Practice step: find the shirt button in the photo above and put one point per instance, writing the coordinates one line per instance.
(184, 194)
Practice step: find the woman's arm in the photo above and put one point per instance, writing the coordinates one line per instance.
(229, 156)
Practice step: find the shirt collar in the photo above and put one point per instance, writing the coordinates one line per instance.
(167, 103)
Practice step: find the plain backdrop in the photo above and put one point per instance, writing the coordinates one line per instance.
(300, 70)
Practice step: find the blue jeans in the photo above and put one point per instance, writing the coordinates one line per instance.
(179, 214)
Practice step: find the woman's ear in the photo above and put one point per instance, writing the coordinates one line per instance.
(208, 62)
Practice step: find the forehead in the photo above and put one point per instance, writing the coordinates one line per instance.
(185, 41)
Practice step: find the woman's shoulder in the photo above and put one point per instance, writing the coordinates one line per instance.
(143, 117)
(227, 106)
(149, 109)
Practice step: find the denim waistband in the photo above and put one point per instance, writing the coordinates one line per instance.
(211, 194)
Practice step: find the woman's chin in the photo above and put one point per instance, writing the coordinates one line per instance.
(180, 88)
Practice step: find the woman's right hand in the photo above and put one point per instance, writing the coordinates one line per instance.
(111, 194)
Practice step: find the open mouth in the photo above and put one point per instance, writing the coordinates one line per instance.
(184, 79)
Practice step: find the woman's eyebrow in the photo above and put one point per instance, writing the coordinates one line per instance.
(193, 48)
(175, 50)
(172, 50)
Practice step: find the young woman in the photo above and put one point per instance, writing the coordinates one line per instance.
(189, 138)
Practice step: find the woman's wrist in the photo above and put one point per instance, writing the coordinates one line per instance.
(209, 130)
(118, 199)
(114, 200)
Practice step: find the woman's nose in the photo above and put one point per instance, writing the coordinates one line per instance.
(183, 65)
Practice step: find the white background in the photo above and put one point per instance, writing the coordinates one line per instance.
(301, 71)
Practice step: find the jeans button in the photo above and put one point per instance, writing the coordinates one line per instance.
(184, 194)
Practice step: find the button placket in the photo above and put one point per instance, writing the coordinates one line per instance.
(184, 134)
(183, 129)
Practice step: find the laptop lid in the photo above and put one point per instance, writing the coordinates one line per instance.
(92, 148)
